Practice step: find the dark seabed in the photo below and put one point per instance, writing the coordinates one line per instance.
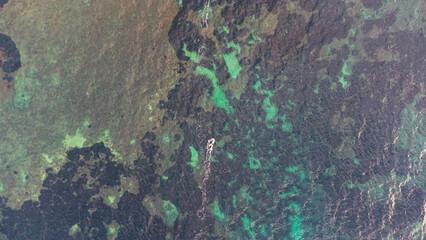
(212, 119)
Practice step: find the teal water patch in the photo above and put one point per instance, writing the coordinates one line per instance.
(219, 96)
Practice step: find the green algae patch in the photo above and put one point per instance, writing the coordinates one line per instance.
(254, 162)
(165, 138)
(231, 60)
(86, 124)
(333, 86)
(234, 201)
(244, 194)
(232, 182)
(316, 91)
(76, 140)
(22, 99)
(410, 136)
(270, 108)
(408, 15)
(112, 230)
(296, 222)
(349, 184)
(236, 46)
(292, 169)
(302, 176)
(107, 140)
(192, 55)
(331, 171)
(74, 230)
(255, 37)
(224, 29)
(232, 64)
(218, 213)
(295, 169)
(295, 192)
(194, 157)
(219, 96)
(286, 126)
(25, 84)
(356, 161)
(171, 212)
(247, 226)
(257, 85)
(345, 72)
(111, 200)
(263, 231)
(296, 227)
